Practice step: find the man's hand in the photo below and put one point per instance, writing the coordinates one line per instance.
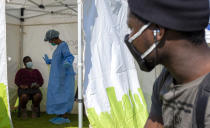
(34, 85)
(154, 122)
(23, 86)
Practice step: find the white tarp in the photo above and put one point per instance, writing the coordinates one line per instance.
(113, 96)
(5, 118)
(3, 62)
(13, 53)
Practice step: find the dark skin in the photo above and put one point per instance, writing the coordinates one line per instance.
(177, 54)
(30, 69)
(24, 98)
(56, 41)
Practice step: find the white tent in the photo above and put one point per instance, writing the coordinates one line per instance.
(26, 24)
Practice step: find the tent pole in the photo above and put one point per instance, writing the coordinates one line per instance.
(21, 36)
(21, 44)
(68, 7)
(12, 15)
(80, 101)
(52, 12)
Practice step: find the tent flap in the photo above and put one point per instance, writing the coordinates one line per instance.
(112, 95)
(5, 118)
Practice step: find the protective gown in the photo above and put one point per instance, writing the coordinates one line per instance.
(60, 94)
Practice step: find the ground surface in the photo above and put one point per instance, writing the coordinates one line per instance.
(43, 122)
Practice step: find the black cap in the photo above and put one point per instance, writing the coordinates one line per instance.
(180, 15)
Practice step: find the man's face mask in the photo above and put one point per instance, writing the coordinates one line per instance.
(29, 65)
(140, 58)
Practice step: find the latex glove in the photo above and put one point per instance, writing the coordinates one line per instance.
(46, 59)
(66, 64)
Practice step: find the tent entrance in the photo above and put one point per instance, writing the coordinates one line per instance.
(26, 23)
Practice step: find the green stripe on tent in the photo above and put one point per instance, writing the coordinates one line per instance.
(130, 112)
(4, 113)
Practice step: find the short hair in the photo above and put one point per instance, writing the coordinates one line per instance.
(195, 37)
(26, 57)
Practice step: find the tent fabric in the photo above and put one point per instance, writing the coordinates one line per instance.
(13, 38)
(31, 9)
(5, 118)
(112, 93)
(4, 105)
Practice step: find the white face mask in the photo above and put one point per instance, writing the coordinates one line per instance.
(148, 51)
(144, 65)
(29, 64)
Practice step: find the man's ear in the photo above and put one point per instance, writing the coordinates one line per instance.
(160, 32)
(161, 36)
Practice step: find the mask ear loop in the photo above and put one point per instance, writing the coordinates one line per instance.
(155, 32)
(138, 33)
(151, 47)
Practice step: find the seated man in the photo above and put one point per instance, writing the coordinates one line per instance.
(28, 81)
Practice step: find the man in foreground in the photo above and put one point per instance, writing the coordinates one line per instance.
(172, 33)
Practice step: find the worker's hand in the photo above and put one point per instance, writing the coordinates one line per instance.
(46, 59)
(66, 64)
(23, 86)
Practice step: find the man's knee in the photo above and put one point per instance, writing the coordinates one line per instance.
(24, 98)
(37, 97)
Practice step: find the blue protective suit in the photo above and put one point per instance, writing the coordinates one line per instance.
(60, 94)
